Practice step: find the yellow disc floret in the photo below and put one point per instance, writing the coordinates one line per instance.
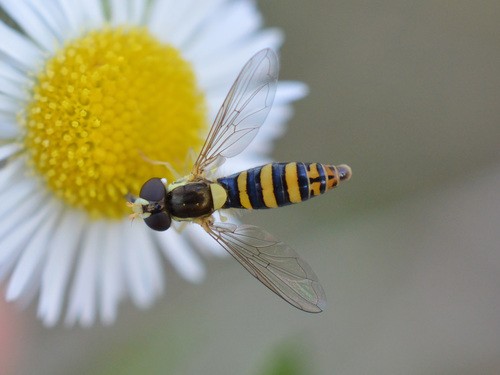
(103, 106)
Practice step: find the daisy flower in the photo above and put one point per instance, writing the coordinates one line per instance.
(87, 89)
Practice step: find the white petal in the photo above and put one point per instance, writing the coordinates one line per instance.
(11, 230)
(8, 104)
(72, 15)
(202, 241)
(9, 128)
(28, 270)
(274, 125)
(83, 298)
(137, 10)
(182, 257)
(273, 128)
(221, 71)
(13, 196)
(55, 277)
(19, 48)
(93, 13)
(9, 173)
(235, 22)
(142, 266)
(8, 150)
(186, 26)
(31, 22)
(289, 91)
(24, 220)
(161, 15)
(7, 265)
(118, 12)
(75, 18)
(9, 118)
(52, 16)
(241, 163)
(13, 90)
(12, 73)
(111, 278)
(175, 22)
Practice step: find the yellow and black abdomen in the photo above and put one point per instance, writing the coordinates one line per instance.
(280, 184)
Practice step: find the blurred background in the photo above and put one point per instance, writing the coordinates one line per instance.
(408, 251)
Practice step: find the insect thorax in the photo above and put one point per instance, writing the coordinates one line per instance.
(189, 200)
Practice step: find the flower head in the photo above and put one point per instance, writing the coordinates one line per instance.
(89, 95)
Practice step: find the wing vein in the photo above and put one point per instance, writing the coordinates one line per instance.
(244, 110)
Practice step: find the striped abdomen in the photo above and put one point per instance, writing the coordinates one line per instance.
(280, 184)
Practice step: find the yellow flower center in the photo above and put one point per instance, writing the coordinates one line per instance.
(102, 106)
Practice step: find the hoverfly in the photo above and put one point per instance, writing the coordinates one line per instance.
(195, 198)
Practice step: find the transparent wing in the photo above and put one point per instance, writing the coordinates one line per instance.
(243, 112)
(275, 264)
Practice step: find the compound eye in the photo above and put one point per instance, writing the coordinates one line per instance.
(153, 190)
(160, 221)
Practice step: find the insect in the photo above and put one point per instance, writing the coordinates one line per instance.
(195, 198)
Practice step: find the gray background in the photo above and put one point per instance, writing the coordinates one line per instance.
(407, 93)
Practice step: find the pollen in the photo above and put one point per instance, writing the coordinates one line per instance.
(103, 107)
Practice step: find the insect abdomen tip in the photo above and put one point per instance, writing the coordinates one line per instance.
(345, 172)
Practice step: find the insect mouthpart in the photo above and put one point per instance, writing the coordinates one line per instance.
(139, 207)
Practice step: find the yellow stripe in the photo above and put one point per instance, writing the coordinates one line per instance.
(242, 190)
(292, 183)
(266, 181)
(315, 187)
(331, 174)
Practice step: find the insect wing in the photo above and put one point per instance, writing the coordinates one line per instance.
(243, 112)
(274, 263)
